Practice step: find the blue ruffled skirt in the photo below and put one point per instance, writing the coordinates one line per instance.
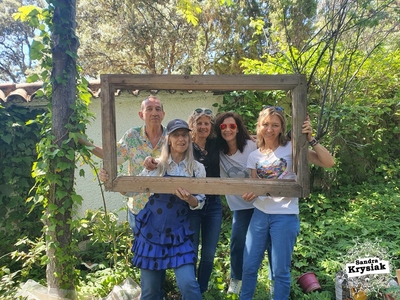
(163, 237)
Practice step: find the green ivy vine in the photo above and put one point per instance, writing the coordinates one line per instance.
(17, 151)
(54, 168)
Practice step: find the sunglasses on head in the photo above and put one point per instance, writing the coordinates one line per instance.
(232, 126)
(277, 108)
(206, 111)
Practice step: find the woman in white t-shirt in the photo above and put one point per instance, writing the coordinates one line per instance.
(236, 145)
(275, 225)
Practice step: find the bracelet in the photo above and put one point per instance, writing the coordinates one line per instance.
(313, 142)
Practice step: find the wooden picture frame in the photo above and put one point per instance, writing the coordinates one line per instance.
(219, 186)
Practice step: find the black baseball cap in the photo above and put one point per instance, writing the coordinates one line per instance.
(177, 124)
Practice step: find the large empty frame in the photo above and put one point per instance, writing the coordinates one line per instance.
(219, 186)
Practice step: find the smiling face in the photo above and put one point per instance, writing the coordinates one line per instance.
(270, 128)
(179, 141)
(229, 130)
(203, 127)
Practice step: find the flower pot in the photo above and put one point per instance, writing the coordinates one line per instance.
(388, 297)
(309, 282)
(360, 295)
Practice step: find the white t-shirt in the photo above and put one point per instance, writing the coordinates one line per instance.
(276, 165)
(234, 166)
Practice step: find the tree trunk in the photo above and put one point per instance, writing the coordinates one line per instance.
(61, 267)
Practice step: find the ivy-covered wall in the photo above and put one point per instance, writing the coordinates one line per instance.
(17, 153)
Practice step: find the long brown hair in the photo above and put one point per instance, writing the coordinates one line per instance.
(241, 137)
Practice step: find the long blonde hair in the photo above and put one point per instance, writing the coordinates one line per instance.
(267, 112)
(162, 165)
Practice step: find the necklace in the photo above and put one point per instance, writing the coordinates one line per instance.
(202, 149)
(230, 153)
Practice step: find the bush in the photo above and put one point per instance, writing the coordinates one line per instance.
(330, 225)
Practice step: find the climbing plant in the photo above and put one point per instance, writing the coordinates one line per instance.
(55, 50)
(17, 150)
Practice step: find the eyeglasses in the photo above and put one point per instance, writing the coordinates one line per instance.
(277, 108)
(232, 126)
(206, 111)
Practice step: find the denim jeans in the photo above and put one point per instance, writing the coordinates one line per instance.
(158, 294)
(152, 281)
(277, 234)
(132, 220)
(207, 222)
(240, 224)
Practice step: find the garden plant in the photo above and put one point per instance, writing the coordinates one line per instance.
(354, 96)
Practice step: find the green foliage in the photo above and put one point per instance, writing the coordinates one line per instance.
(369, 148)
(8, 288)
(190, 10)
(249, 103)
(17, 150)
(15, 39)
(54, 168)
(393, 291)
(359, 124)
(106, 242)
(331, 225)
(356, 114)
(372, 285)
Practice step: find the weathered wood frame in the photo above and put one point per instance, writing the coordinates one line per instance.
(295, 83)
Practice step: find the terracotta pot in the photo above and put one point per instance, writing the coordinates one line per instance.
(309, 282)
(388, 297)
(360, 295)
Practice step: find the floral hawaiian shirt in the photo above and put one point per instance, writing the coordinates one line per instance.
(134, 147)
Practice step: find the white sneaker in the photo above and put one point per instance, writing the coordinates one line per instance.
(234, 286)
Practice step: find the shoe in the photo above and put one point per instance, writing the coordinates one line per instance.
(235, 286)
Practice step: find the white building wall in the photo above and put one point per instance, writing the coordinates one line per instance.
(178, 105)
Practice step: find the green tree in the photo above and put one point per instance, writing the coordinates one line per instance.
(150, 37)
(15, 39)
(345, 36)
(292, 22)
(155, 36)
(56, 51)
(60, 269)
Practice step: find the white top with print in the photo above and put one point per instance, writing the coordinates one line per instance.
(275, 165)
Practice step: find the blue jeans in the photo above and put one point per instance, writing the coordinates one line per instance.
(132, 220)
(158, 294)
(152, 281)
(206, 221)
(277, 234)
(240, 224)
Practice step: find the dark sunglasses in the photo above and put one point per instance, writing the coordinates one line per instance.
(232, 126)
(206, 111)
(277, 108)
